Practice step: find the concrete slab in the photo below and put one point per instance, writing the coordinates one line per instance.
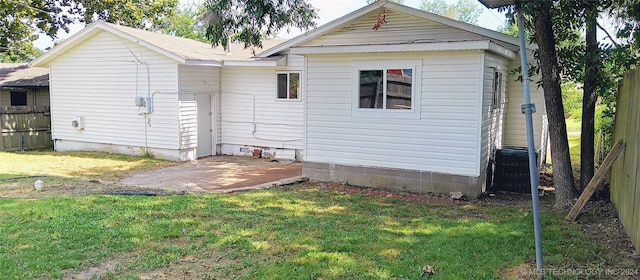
(217, 174)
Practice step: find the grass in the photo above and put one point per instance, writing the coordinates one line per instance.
(299, 232)
(573, 125)
(574, 149)
(287, 233)
(88, 165)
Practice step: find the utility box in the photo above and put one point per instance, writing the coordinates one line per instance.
(512, 170)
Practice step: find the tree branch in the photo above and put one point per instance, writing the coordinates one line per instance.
(608, 35)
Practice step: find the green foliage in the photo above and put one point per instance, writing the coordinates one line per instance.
(187, 23)
(249, 21)
(464, 10)
(572, 99)
(20, 20)
(509, 28)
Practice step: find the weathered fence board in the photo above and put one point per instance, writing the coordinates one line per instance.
(25, 128)
(625, 179)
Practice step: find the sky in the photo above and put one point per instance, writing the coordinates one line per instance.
(328, 11)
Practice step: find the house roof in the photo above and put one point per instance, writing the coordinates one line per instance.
(21, 75)
(237, 55)
(182, 50)
(500, 38)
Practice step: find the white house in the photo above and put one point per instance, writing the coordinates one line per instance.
(132, 91)
(386, 96)
(398, 97)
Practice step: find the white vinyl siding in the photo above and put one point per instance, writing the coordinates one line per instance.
(251, 114)
(515, 126)
(443, 139)
(492, 118)
(99, 79)
(399, 29)
(192, 81)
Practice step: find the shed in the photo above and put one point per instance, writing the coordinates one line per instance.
(400, 98)
(25, 122)
(21, 85)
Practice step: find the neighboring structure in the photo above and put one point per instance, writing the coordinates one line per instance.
(25, 121)
(126, 90)
(420, 103)
(21, 85)
(398, 97)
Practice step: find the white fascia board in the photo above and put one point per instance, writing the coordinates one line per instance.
(500, 50)
(144, 43)
(90, 31)
(63, 46)
(325, 29)
(443, 46)
(457, 24)
(203, 62)
(279, 61)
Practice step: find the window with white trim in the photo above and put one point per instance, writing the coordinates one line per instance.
(387, 88)
(289, 85)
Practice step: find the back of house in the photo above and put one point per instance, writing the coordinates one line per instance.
(414, 102)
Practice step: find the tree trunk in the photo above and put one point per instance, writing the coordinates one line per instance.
(562, 172)
(589, 100)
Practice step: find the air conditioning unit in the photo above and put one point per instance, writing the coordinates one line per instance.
(78, 122)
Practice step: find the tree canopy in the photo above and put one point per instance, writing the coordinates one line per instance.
(464, 10)
(249, 21)
(565, 32)
(20, 21)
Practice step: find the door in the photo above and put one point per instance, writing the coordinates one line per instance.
(205, 129)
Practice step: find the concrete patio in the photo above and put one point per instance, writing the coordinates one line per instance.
(219, 174)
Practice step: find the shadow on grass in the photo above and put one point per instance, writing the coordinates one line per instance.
(304, 234)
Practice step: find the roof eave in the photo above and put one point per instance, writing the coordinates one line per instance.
(310, 35)
(386, 48)
(270, 62)
(44, 59)
(203, 62)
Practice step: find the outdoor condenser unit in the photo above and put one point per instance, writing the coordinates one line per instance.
(78, 122)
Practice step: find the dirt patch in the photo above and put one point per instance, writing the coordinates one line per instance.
(56, 186)
(209, 264)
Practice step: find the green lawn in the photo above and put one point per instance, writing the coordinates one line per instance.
(91, 165)
(573, 125)
(296, 232)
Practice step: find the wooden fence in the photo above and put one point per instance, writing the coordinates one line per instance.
(625, 177)
(25, 128)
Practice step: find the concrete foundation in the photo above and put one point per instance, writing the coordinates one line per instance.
(414, 181)
(266, 152)
(168, 154)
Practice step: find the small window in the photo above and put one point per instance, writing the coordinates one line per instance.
(18, 98)
(497, 90)
(289, 85)
(387, 89)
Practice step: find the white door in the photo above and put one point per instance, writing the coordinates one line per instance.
(205, 139)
